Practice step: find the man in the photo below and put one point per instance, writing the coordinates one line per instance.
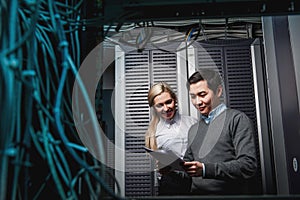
(221, 154)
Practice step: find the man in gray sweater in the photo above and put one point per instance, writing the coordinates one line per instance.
(221, 154)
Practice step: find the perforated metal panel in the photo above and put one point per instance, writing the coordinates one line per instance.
(137, 165)
(239, 78)
(141, 71)
(233, 60)
(164, 68)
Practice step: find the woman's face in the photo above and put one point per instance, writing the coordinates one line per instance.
(164, 105)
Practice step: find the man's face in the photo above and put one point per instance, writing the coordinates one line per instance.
(164, 105)
(203, 98)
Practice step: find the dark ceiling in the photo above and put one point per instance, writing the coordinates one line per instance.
(208, 19)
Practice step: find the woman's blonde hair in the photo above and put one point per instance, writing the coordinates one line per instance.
(155, 90)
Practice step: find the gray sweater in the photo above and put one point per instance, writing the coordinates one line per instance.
(227, 148)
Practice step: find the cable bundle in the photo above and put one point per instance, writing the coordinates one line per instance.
(41, 153)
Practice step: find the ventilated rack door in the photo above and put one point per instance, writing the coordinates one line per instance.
(239, 79)
(138, 180)
(233, 60)
(164, 68)
(141, 71)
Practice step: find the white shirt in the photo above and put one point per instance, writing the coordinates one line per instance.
(173, 134)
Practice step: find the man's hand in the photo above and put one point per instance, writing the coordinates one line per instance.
(194, 168)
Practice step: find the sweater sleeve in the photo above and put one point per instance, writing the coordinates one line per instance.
(244, 165)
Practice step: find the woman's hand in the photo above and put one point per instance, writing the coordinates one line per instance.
(193, 168)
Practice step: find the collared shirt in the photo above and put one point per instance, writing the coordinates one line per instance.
(214, 113)
(172, 134)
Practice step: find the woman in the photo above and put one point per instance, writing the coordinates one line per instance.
(168, 130)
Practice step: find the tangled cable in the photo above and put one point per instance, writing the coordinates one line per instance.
(40, 56)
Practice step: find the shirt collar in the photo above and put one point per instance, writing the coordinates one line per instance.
(174, 120)
(214, 113)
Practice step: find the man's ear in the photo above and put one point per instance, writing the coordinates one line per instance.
(219, 90)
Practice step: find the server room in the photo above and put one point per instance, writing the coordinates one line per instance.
(76, 106)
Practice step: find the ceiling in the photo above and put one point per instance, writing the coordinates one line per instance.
(197, 19)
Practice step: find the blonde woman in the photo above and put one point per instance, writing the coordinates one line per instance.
(168, 130)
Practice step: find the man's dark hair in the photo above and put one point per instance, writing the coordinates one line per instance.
(212, 77)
